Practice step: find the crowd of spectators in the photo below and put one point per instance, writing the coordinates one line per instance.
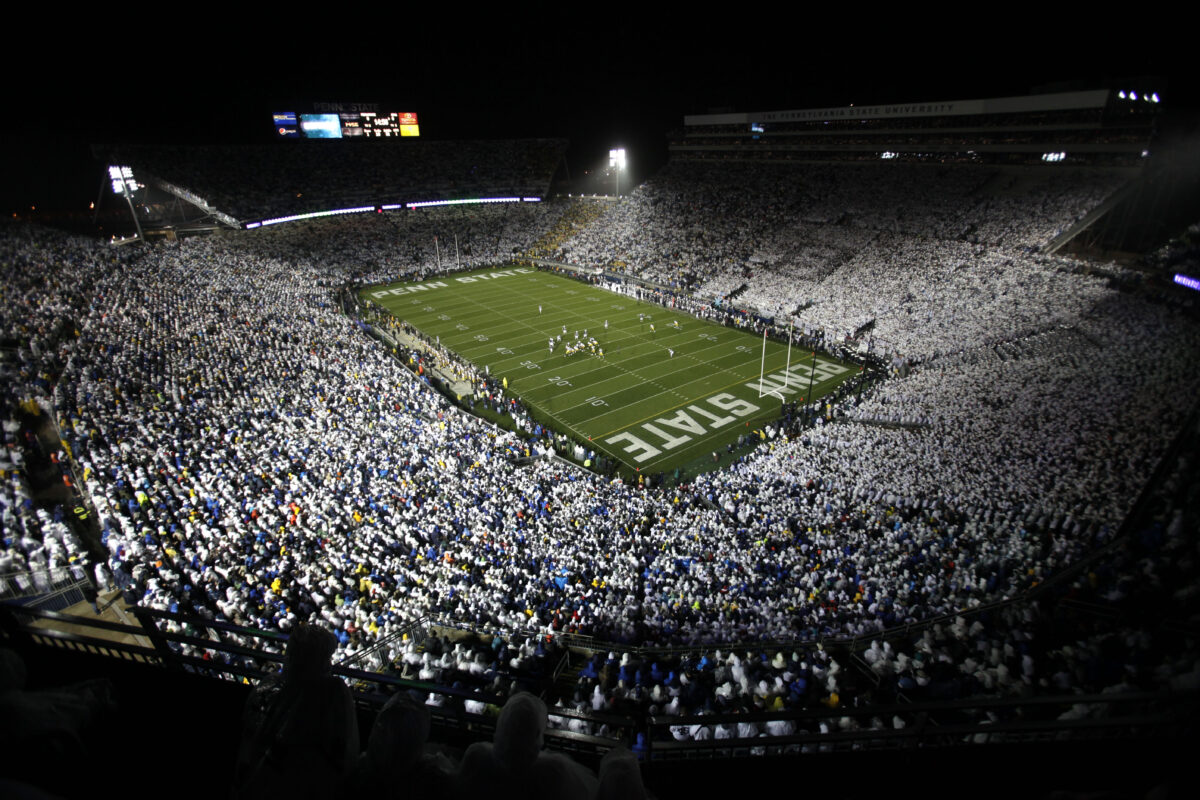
(254, 457)
(1180, 255)
(1117, 625)
(934, 256)
(368, 249)
(48, 283)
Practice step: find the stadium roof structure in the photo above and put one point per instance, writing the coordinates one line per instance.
(1061, 101)
(1095, 128)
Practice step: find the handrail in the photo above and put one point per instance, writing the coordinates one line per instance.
(1148, 711)
(10, 582)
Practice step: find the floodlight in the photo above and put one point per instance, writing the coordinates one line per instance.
(1133, 95)
(616, 162)
(1121, 94)
(1154, 97)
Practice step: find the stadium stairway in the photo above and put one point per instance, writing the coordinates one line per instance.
(567, 677)
(736, 293)
(112, 609)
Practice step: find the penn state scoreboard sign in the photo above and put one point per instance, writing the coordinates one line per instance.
(345, 121)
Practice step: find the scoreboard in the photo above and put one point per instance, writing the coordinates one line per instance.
(346, 125)
(377, 126)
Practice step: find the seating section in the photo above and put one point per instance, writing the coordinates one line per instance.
(254, 457)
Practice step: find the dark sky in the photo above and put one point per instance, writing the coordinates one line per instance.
(598, 83)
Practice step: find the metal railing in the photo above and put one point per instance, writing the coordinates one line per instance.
(227, 652)
(31, 584)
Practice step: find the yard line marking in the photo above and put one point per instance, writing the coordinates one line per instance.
(707, 393)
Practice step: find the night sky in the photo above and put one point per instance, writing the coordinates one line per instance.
(598, 83)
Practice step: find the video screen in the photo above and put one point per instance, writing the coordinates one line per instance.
(321, 126)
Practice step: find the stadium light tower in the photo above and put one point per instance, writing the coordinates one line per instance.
(123, 183)
(616, 162)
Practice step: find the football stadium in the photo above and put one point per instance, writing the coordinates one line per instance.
(847, 441)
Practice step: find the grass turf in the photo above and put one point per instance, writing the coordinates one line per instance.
(650, 410)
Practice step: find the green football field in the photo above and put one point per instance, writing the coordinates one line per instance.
(668, 391)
